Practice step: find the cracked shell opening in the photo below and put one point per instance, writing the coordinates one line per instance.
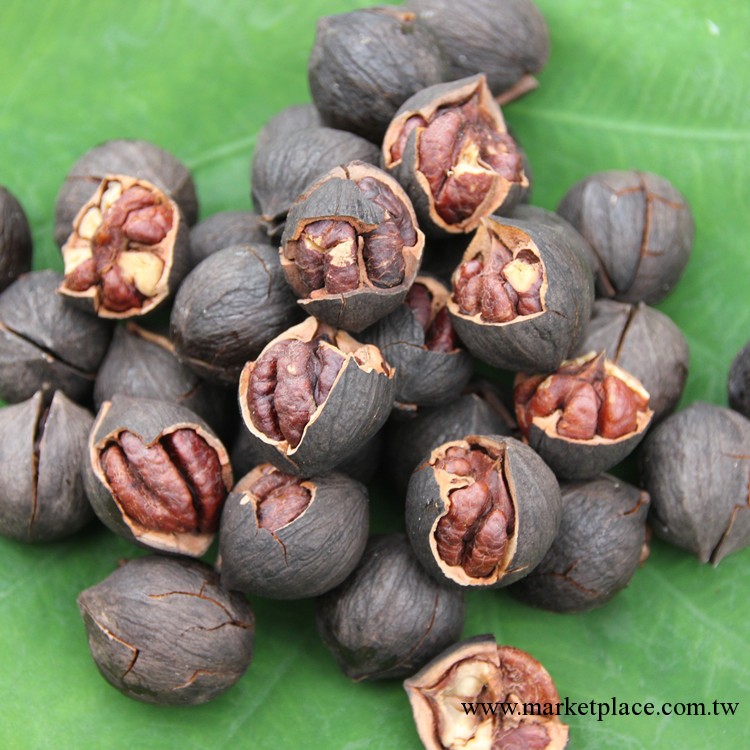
(515, 699)
(464, 158)
(287, 386)
(474, 540)
(356, 229)
(278, 498)
(120, 251)
(587, 399)
(501, 278)
(427, 299)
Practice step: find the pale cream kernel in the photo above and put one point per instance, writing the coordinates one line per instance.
(75, 254)
(340, 255)
(143, 269)
(89, 223)
(521, 274)
(111, 195)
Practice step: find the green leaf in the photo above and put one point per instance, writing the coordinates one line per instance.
(660, 86)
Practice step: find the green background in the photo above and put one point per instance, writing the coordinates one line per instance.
(659, 86)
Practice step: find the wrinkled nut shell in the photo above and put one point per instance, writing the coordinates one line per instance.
(337, 197)
(357, 405)
(388, 617)
(645, 343)
(305, 557)
(506, 41)
(534, 495)
(128, 250)
(478, 669)
(640, 227)
(150, 421)
(42, 497)
(225, 229)
(738, 382)
(287, 121)
(395, 56)
(45, 343)
(162, 630)
(696, 467)
(143, 364)
(15, 239)
(536, 340)
(228, 308)
(597, 551)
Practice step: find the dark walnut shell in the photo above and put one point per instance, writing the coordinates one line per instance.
(508, 41)
(418, 340)
(128, 250)
(478, 671)
(640, 227)
(283, 168)
(45, 343)
(157, 475)
(365, 63)
(287, 121)
(163, 630)
(695, 466)
(140, 159)
(15, 239)
(143, 364)
(362, 465)
(389, 617)
(522, 294)
(584, 418)
(43, 450)
(600, 545)
(443, 254)
(314, 397)
(225, 229)
(351, 247)
(738, 382)
(482, 512)
(450, 148)
(285, 537)
(646, 343)
(409, 439)
(228, 308)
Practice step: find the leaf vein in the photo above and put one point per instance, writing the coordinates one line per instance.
(597, 122)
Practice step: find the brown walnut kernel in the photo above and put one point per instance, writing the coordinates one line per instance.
(326, 256)
(475, 531)
(460, 152)
(117, 246)
(432, 314)
(174, 485)
(500, 284)
(332, 255)
(384, 245)
(591, 398)
(279, 498)
(289, 382)
(480, 671)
